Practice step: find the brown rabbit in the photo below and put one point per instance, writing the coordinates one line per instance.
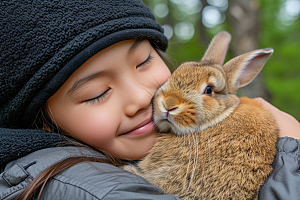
(220, 146)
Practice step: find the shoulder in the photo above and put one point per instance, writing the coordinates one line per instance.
(85, 180)
(19, 173)
(94, 180)
(40, 160)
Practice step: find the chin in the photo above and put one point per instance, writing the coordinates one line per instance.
(136, 157)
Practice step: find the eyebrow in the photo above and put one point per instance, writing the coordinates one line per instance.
(79, 83)
(134, 46)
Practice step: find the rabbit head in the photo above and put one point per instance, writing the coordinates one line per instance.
(198, 95)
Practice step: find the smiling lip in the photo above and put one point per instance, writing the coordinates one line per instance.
(141, 129)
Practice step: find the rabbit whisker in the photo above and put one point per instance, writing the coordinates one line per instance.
(179, 145)
(194, 164)
(209, 151)
(156, 82)
(187, 170)
(149, 90)
(184, 182)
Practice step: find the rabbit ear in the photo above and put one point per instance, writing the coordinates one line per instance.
(241, 70)
(217, 49)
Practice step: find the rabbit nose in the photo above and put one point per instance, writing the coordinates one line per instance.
(168, 112)
(171, 108)
(171, 103)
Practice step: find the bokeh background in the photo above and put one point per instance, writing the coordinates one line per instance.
(253, 24)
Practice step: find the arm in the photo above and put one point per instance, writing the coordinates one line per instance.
(287, 124)
(284, 181)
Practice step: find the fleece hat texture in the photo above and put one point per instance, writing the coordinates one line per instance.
(44, 41)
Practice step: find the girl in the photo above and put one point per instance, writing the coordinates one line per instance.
(77, 78)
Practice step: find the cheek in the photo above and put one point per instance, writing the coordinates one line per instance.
(162, 73)
(91, 126)
(210, 106)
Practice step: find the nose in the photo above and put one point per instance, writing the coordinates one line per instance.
(137, 98)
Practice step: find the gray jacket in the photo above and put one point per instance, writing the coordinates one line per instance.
(86, 180)
(93, 180)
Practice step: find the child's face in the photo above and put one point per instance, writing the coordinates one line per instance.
(106, 103)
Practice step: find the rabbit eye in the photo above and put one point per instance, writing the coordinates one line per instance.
(208, 90)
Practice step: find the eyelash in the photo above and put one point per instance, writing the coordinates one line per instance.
(103, 95)
(99, 98)
(145, 61)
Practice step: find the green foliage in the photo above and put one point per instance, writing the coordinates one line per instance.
(281, 73)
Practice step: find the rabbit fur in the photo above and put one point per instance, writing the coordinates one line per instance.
(214, 144)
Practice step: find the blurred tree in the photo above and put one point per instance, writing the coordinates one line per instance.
(244, 20)
(190, 25)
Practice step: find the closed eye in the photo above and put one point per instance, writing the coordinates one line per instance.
(99, 98)
(145, 61)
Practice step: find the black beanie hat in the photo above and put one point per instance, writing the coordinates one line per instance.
(44, 41)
